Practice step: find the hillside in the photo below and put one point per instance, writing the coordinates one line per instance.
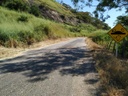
(24, 22)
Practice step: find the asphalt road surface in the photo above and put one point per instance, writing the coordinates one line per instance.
(62, 69)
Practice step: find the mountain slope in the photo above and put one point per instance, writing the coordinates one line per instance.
(19, 26)
(22, 28)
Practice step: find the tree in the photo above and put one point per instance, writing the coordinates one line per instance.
(19, 5)
(34, 10)
(123, 20)
(123, 45)
(104, 5)
(85, 16)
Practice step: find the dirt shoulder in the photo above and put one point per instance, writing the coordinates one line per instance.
(12, 52)
(111, 70)
(92, 45)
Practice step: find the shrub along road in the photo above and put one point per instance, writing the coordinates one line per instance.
(62, 69)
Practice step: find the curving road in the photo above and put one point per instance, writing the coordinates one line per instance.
(62, 69)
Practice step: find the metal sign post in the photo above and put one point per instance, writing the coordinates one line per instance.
(116, 49)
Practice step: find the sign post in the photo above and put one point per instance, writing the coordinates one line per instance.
(116, 49)
(118, 33)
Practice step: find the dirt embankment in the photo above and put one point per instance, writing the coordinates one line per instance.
(112, 71)
(92, 45)
(12, 52)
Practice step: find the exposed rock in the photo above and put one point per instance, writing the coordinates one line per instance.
(54, 15)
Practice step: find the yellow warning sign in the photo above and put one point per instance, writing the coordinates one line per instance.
(118, 33)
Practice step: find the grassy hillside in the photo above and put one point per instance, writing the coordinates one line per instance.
(22, 27)
(52, 4)
(26, 5)
(21, 23)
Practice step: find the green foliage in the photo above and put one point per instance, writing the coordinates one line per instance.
(84, 16)
(75, 29)
(104, 5)
(123, 20)
(23, 18)
(123, 45)
(106, 27)
(123, 48)
(19, 5)
(34, 10)
(47, 30)
(87, 27)
(99, 24)
(53, 5)
(64, 9)
(31, 29)
(3, 37)
(96, 22)
(100, 37)
(22, 28)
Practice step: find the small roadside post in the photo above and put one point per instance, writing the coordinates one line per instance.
(118, 33)
(116, 49)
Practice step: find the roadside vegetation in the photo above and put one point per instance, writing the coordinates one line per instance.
(112, 71)
(21, 24)
(113, 74)
(24, 29)
(20, 29)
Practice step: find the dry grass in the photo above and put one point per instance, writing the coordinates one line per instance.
(92, 45)
(113, 71)
(12, 52)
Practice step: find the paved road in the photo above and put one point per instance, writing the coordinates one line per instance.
(62, 69)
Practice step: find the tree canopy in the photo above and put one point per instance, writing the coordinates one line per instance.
(104, 5)
(123, 20)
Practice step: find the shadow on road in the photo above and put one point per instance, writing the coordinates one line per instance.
(38, 67)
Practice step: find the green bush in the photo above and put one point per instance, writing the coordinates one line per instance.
(26, 37)
(19, 5)
(75, 29)
(23, 18)
(48, 32)
(3, 37)
(87, 27)
(34, 10)
(85, 16)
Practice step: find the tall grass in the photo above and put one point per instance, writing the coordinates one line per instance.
(113, 73)
(52, 4)
(18, 29)
(100, 36)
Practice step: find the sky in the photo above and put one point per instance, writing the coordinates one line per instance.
(112, 13)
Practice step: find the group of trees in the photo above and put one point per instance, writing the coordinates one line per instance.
(20, 5)
(87, 18)
(104, 5)
(123, 20)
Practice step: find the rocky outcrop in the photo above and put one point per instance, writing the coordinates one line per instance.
(54, 15)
